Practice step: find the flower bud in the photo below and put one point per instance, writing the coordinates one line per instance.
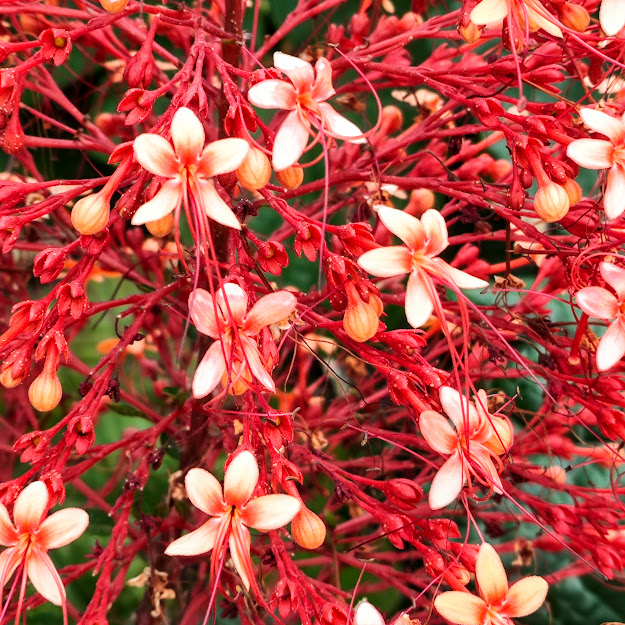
(8, 381)
(307, 529)
(470, 32)
(91, 214)
(161, 227)
(361, 320)
(573, 16)
(255, 171)
(391, 120)
(45, 392)
(403, 492)
(420, 201)
(551, 202)
(291, 178)
(113, 6)
(573, 190)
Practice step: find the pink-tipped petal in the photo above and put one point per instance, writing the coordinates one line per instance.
(290, 141)
(215, 207)
(30, 505)
(269, 309)
(197, 542)
(222, 157)
(366, 614)
(612, 16)
(462, 608)
(232, 303)
(437, 432)
(611, 346)
(155, 154)
(386, 262)
(8, 535)
(615, 277)
(240, 479)
(273, 94)
(204, 491)
(300, 72)
(404, 226)
(459, 409)
(614, 196)
(240, 544)
(255, 363)
(435, 230)
(490, 574)
(270, 512)
(322, 88)
(44, 576)
(611, 127)
(419, 304)
(187, 135)
(340, 127)
(202, 310)
(591, 153)
(62, 528)
(597, 302)
(447, 483)
(163, 203)
(489, 11)
(209, 372)
(525, 597)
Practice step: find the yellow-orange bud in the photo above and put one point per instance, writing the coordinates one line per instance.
(161, 227)
(91, 214)
(291, 178)
(573, 16)
(8, 381)
(420, 201)
(573, 190)
(307, 529)
(361, 319)
(45, 392)
(551, 202)
(470, 32)
(113, 6)
(391, 120)
(255, 171)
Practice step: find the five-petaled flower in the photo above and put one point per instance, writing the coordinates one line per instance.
(424, 240)
(612, 16)
(232, 511)
(601, 154)
(473, 445)
(598, 302)
(305, 97)
(497, 603)
(491, 11)
(187, 168)
(234, 357)
(32, 536)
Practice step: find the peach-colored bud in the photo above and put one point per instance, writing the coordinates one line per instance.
(161, 227)
(573, 16)
(113, 6)
(291, 178)
(551, 202)
(255, 171)
(45, 392)
(420, 201)
(408, 21)
(500, 168)
(392, 120)
(573, 190)
(361, 320)
(91, 214)
(8, 381)
(470, 32)
(307, 529)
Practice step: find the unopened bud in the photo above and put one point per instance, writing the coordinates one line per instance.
(391, 120)
(361, 320)
(573, 16)
(551, 202)
(161, 227)
(307, 529)
(420, 201)
(403, 492)
(113, 6)
(573, 190)
(91, 214)
(470, 32)
(45, 392)
(255, 171)
(8, 381)
(291, 178)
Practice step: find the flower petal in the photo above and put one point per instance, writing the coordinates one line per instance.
(202, 310)
(300, 72)
(386, 262)
(255, 363)
(340, 127)
(612, 16)
(269, 309)
(8, 534)
(459, 409)
(366, 614)
(488, 12)
(435, 230)
(462, 608)
(273, 94)
(197, 542)
(597, 302)
(62, 528)
(204, 491)
(240, 544)
(525, 596)
(611, 346)
(209, 371)
(187, 135)
(163, 203)
(419, 304)
(490, 574)
(447, 482)
(10, 559)
(270, 512)
(542, 21)
(461, 279)
(155, 154)
(322, 88)
(232, 303)
(290, 141)
(44, 576)
(240, 479)
(215, 207)
(437, 432)
(30, 505)
(222, 157)
(615, 277)
(611, 127)
(614, 195)
(591, 153)
(404, 226)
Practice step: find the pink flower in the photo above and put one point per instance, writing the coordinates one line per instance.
(305, 97)
(424, 240)
(234, 356)
(187, 168)
(232, 511)
(601, 154)
(491, 11)
(600, 303)
(477, 438)
(32, 536)
(496, 603)
(612, 16)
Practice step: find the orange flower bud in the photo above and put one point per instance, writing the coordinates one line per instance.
(307, 529)
(391, 120)
(470, 32)
(420, 201)
(291, 177)
(113, 6)
(573, 16)
(161, 227)
(573, 190)
(551, 202)
(255, 171)
(45, 392)
(91, 214)
(8, 381)
(361, 319)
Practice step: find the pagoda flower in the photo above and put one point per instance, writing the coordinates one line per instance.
(602, 154)
(305, 97)
(473, 445)
(612, 16)
(234, 357)
(492, 11)
(496, 603)
(424, 240)
(30, 538)
(599, 302)
(187, 166)
(232, 511)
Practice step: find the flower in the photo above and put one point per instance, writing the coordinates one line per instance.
(496, 603)
(601, 154)
(232, 511)
(477, 440)
(612, 16)
(32, 536)
(234, 356)
(305, 97)
(491, 11)
(424, 240)
(598, 302)
(187, 168)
